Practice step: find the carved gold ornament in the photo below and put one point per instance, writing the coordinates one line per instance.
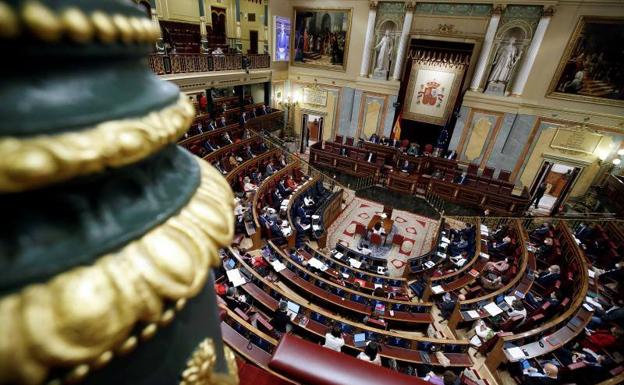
(38, 161)
(51, 26)
(83, 316)
(200, 367)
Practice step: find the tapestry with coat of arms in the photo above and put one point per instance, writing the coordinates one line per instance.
(433, 88)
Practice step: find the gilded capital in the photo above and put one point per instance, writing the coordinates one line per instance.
(498, 10)
(373, 4)
(410, 6)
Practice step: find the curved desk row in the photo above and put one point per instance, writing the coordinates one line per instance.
(315, 322)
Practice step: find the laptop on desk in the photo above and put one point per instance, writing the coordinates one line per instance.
(359, 340)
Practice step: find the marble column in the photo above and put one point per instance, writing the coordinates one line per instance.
(529, 58)
(404, 40)
(202, 28)
(484, 55)
(368, 41)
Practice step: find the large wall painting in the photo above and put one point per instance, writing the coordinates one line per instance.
(321, 38)
(592, 65)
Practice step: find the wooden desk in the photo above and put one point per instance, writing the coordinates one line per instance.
(386, 223)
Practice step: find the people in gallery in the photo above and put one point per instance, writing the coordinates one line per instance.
(333, 339)
(371, 353)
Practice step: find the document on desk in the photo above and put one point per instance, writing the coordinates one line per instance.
(473, 314)
(509, 299)
(235, 277)
(446, 240)
(355, 263)
(485, 255)
(337, 255)
(429, 264)
(493, 309)
(437, 289)
(278, 266)
(515, 353)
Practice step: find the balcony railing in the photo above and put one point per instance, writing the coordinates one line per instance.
(185, 63)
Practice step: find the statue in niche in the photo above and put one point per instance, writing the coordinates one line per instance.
(385, 52)
(504, 62)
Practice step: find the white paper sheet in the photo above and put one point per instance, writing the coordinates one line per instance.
(278, 266)
(473, 314)
(515, 353)
(355, 263)
(493, 309)
(437, 289)
(235, 277)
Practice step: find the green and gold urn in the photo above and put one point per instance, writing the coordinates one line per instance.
(108, 229)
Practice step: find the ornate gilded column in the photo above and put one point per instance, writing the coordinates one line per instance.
(368, 40)
(529, 58)
(109, 230)
(484, 55)
(404, 40)
(202, 28)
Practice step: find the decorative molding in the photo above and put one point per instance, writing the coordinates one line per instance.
(200, 367)
(49, 326)
(41, 160)
(52, 26)
(446, 29)
(373, 5)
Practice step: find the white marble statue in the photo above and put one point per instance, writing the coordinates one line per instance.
(504, 62)
(385, 52)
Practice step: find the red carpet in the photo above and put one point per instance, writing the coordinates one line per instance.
(253, 375)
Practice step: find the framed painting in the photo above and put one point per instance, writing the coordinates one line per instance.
(591, 68)
(281, 38)
(431, 91)
(321, 38)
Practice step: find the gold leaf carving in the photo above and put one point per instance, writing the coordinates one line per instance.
(83, 313)
(200, 367)
(44, 159)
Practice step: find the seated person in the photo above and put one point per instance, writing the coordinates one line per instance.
(500, 266)
(286, 229)
(217, 165)
(281, 161)
(277, 199)
(407, 166)
(234, 161)
(283, 189)
(461, 179)
(270, 169)
(541, 231)
(583, 232)
(545, 248)
(612, 338)
(483, 333)
(549, 277)
(281, 320)
(222, 122)
(499, 233)
(517, 309)
(414, 149)
(307, 201)
(370, 353)
(448, 304)
(302, 214)
(248, 187)
(502, 246)
(535, 301)
(532, 376)
(457, 247)
(378, 229)
(226, 138)
(333, 339)
(365, 250)
(448, 378)
(374, 138)
(491, 280)
(234, 300)
(290, 183)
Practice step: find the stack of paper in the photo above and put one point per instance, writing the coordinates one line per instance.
(278, 266)
(429, 264)
(515, 353)
(484, 230)
(235, 277)
(493, 309)
(473, 314)
(509, 299)
(355, 263)
(437, 289)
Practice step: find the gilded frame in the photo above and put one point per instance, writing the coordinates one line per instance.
(457, 70)
(339, 68)
(572, 42)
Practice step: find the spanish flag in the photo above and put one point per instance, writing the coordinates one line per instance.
(396, 131)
